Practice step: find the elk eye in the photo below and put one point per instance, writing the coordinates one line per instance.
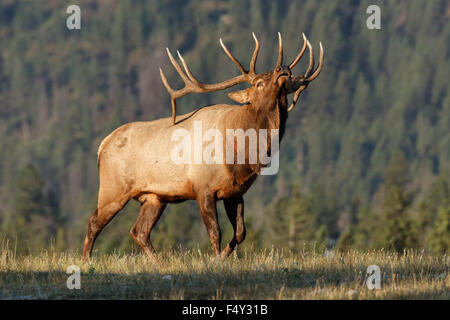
(260, 84)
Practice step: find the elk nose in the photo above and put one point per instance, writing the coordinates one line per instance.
(283, 69)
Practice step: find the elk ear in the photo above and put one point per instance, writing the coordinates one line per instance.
(241, 96)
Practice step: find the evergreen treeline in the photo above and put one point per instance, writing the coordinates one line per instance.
(365, 162)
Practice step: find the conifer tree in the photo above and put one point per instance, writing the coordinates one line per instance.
(32, 212)
(395, 228)
(439, 238)
(300, 222)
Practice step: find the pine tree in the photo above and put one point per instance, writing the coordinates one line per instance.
(346, 240)
(395, 229)
(32, 211)
(365, 229)
(438, 197)
(396, 174)
(439, 238)
(321, 239)
(300, 222)
(276, 224)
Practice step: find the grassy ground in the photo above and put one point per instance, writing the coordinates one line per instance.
(193, 274)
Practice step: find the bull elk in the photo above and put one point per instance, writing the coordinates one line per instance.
(134, 160)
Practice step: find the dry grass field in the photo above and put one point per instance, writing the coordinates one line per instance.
(268, 274)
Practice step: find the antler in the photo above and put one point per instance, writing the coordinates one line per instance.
(193, 85)
(280, 51)
(302, 82)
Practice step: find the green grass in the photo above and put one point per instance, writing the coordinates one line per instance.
(268, 274)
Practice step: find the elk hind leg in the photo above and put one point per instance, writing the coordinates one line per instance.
(98, 220)
(151, 210)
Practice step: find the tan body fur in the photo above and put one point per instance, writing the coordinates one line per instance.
(133, 156)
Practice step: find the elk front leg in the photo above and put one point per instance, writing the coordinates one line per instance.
(151, 210)
(235, 212)
(208, 210)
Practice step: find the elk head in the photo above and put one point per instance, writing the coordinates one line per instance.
(265, 88)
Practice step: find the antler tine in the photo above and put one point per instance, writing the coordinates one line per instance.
(301, 53)
(177, 67)
(237, 63)
(186, 68)
(296, 96)
(164, 80)
(193, 85)
(311, 59)
(280, 50)
(188, 81)
(172, 95)
(307, 79)
(254, 56)
(319, 68)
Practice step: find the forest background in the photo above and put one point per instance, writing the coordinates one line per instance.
(365, 162)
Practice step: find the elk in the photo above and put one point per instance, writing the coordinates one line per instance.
(134, 160)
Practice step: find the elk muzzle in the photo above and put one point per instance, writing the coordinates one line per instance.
(282, 74)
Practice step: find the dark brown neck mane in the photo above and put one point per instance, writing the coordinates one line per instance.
(271, 116)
